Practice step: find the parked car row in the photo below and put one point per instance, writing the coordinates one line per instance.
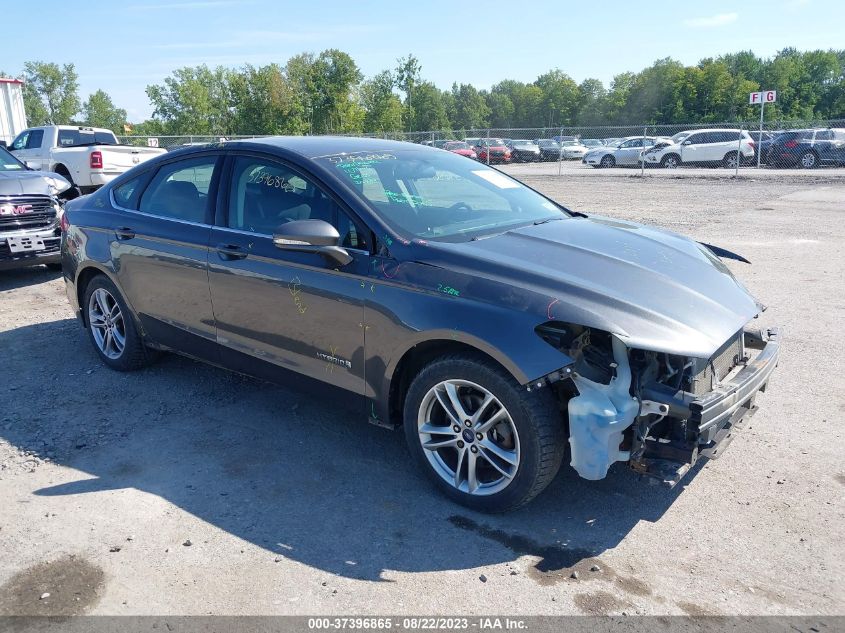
(807, 149)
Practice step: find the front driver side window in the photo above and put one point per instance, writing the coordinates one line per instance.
(20, 142)
(266, 194)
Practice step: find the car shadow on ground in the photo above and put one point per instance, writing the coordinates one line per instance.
(21, 277)
(298, 475)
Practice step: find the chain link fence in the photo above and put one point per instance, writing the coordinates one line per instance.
(643, 145)
(778, 144)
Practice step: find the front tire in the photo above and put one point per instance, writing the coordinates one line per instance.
(485, 441)
(670, 161)
(111, 327)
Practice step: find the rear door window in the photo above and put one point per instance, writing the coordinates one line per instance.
(34, 140)
(179, 190)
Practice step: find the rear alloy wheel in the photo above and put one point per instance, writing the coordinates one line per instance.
(607, 161)
(729, 160)
(670, 161)
(111, 327)
(486, 442)
(809, 160)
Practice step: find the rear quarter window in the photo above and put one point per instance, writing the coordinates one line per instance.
(127, 194)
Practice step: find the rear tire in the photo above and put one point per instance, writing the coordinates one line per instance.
(493, 468)
(808, 160)
(607, 161)
(730, 159)
(111, 327)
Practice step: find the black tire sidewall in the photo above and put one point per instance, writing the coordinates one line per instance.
(134, 347)
(520, 489)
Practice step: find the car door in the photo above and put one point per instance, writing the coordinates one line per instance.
(278, 308)
(629, 152)
(839, 146)
(823, 144)
(691, 147)
(159, 248)
(27, 147)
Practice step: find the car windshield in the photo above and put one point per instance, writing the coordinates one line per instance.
(569, 143)
(439, 195)
(493, 142)
(76, 138)
(521, 142)
(9, 162)
(549, 144)
(680, 136)
(456, 145)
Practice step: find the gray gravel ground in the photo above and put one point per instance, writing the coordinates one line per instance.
(184, 489)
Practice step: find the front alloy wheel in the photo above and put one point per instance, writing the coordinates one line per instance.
(485, 441)
(469, 437)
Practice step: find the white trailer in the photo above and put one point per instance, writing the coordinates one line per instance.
(12, 113)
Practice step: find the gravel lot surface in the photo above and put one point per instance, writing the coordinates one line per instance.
(185, 489)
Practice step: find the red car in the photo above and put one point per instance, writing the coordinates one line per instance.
(461, 148)
(499, 152)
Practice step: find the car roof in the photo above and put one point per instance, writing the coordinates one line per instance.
(318, 146)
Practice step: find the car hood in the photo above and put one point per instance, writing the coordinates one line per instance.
(27, 182)
(654, 289)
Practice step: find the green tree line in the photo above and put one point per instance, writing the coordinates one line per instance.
(327, 93)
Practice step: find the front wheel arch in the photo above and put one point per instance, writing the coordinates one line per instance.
(420, 355)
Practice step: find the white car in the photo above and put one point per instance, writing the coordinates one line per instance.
(85, 156)
(573, 150)
(702, 147)
(625, 152)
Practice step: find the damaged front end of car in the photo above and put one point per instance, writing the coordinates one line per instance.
(658, 411)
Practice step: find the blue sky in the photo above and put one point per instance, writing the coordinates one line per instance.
(122, 47)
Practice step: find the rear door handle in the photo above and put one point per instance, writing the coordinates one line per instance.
(124, 233)
(230, 251)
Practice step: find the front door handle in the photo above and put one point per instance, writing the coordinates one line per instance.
(230, 252)
(124, 233)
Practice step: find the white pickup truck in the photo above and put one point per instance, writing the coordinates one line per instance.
(88, 157)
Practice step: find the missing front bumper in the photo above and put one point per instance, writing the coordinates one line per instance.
(712, 419)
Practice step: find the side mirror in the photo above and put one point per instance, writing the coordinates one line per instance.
(311, 236)
(687, 143)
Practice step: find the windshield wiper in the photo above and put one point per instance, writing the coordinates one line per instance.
(538, 222)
